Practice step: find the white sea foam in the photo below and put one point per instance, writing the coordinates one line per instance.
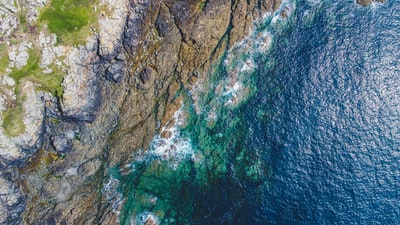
(376, 5)
(112, 195)
(169, 144)
(313, 2)
(144, 218)
(240, 65)
(286, 9)
(195, 95)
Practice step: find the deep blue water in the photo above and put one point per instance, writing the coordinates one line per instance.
(333, 136)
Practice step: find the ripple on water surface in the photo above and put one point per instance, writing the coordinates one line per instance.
(337, 129)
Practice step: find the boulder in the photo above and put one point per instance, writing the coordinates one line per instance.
(61, 144)
(116, 71)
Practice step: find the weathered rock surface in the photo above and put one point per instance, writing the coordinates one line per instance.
(49, 51)
(61, 143)
(111, 26)
(117, 71)
(19, 55)
(14, 149)
(81, 83)
(15, 14)
(9, 19)
(11, 201)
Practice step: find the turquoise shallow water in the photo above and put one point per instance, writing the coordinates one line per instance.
(302, 126)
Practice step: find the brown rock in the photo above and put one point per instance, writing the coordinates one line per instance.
(368, 2)
(150, 221)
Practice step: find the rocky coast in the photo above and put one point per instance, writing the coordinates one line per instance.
(76, 102)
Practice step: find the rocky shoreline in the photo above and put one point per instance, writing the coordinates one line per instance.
(118, 89)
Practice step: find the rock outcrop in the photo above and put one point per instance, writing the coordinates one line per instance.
(111, 26)
(13, 150)
(9, 21)
(12, 202)
(81, 83)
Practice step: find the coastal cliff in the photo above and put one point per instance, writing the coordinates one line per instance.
(83, 95)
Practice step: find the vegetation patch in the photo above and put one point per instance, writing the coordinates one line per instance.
(12, 119)
(202, 5)
(13, 124)
(50, 82)
(4, 61)
(70, 20)
(22, 21)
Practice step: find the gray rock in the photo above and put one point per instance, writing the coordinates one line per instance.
(11, 201)
(147, 78)
(8, 18)
(49, 50)
(111, 26)
(19, 55)
(116, 72)
(134, 27)
(89, 168)
(61, 144)
(13, 153)
(81, 95)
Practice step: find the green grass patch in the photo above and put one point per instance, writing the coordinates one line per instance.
(70, 19)
(23, 22)
(13, 124)
(54, 121)
(4, 60)
(201, 5)
(3, 49)
(22, 19)
(50, 82)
